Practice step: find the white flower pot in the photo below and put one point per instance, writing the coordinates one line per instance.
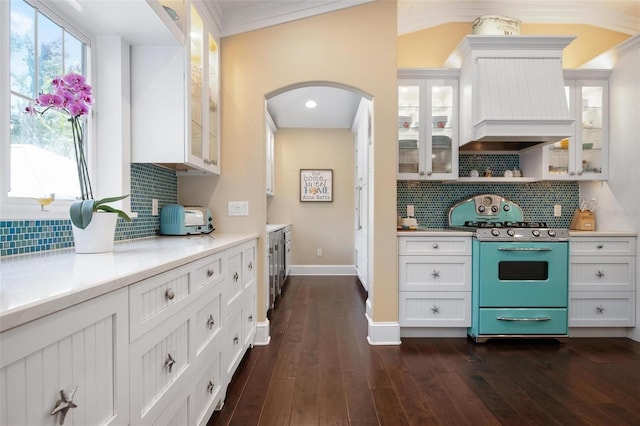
(98, 236)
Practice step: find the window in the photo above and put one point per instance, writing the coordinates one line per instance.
(40, 155)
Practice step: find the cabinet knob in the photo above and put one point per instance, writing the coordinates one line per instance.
(429, 173)
(580, 173)
(235, 276)
(435, 274)
(435, 245)
(210, 321)
(599, 274)
(600, 309)
(210, 387)
(64, 404)
(250, 318)
(600, 246)
(209, 272)
(435, 309)
(168, 364)
(572, 173)
(250, 266)
(170, 294)
(236, 339)
(421, 173)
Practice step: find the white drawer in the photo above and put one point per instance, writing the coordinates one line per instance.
(606, 273)
(208, 385)
(435, 309)
(232, 346)
(603, 246)
(241, 273)
(208, 318)
(208, 272)
(600, 309)
(434, 246)
(434, 273)
(155, 299)
(249, 320)
(178, 412)
(153, 383)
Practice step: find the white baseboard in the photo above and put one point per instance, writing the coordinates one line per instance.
(437, 332)
(598, 332)
(323, 270)
(263, 336)
(383, 333)
(368, 308)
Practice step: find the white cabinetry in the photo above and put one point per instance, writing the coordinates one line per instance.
(363, 132)
(427, 124)
(85, 348)
(584, 155)
(434, 281)
(177, 124)
(602, 281)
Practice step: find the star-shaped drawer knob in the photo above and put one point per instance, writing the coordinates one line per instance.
(64, 404)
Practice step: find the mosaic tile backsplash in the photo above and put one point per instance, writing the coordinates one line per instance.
(433, 199)
(147, 182)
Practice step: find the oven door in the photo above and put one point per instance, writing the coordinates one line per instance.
(522, 274)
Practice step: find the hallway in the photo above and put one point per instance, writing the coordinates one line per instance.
(320, 370)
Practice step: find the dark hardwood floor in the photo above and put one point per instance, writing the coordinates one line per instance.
(320, 370)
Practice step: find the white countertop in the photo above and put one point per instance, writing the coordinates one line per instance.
(274, 227)
(35, 285)
(435, 232)
(602, 234)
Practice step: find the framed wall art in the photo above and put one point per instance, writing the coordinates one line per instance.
(316, 185)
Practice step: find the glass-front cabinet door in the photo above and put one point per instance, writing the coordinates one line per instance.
(585, 155)
(197, 84)
(213, 54)
(427, 129)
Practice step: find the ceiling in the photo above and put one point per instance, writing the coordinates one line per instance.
(337, 107)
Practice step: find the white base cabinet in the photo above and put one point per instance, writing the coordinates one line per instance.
(159, 352)
(85, 348)
(434, 281)
(602, 287)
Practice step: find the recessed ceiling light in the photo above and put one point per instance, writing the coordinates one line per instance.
(310, 104)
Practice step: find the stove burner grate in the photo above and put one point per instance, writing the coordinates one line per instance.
(490, 224)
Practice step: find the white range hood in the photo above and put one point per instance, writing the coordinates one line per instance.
(512, 92)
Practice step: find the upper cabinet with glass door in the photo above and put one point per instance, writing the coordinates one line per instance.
(585, 155)
(181, 128)
(427, 125)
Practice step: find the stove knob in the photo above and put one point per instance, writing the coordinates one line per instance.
(535, 233)
(511, 232)
(494, 209)
(495, 232)
(481, 209)
(506, 207)
(551, 232)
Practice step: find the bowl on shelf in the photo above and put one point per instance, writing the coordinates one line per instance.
(564, 143)
(404, 122)
(587, 145)
(439, 121)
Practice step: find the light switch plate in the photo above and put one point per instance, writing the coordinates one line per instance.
(238, 208)
(557, 210)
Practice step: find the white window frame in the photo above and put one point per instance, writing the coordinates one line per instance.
(17, 208)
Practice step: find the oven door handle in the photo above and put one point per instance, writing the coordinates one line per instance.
(523, 319)
(524, 249)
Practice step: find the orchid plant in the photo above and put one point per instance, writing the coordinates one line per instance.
(71, 95)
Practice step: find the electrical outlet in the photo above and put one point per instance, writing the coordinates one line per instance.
(557, 210)
(319, 252)
(154, 207)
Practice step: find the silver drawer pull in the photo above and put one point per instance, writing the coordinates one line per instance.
(235, 339)
(524, 249)
(599, 274)
(250, 266)
(600, 309)
(210, 387)
(435, 274)
(209, 272)
(211, 322)
(600, 246)
(235, 276)
(435, 309)
(523, 319)
(64, 404)
(250, 318)
(435, 245)
(170, 294)
(168, 364)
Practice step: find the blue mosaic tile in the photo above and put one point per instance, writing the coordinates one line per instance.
(147, 182)
(432, 199)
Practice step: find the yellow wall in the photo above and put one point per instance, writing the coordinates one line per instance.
(329, 226)
(432, 46)
(354, 47)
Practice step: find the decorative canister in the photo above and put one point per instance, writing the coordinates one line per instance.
(495, 25)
